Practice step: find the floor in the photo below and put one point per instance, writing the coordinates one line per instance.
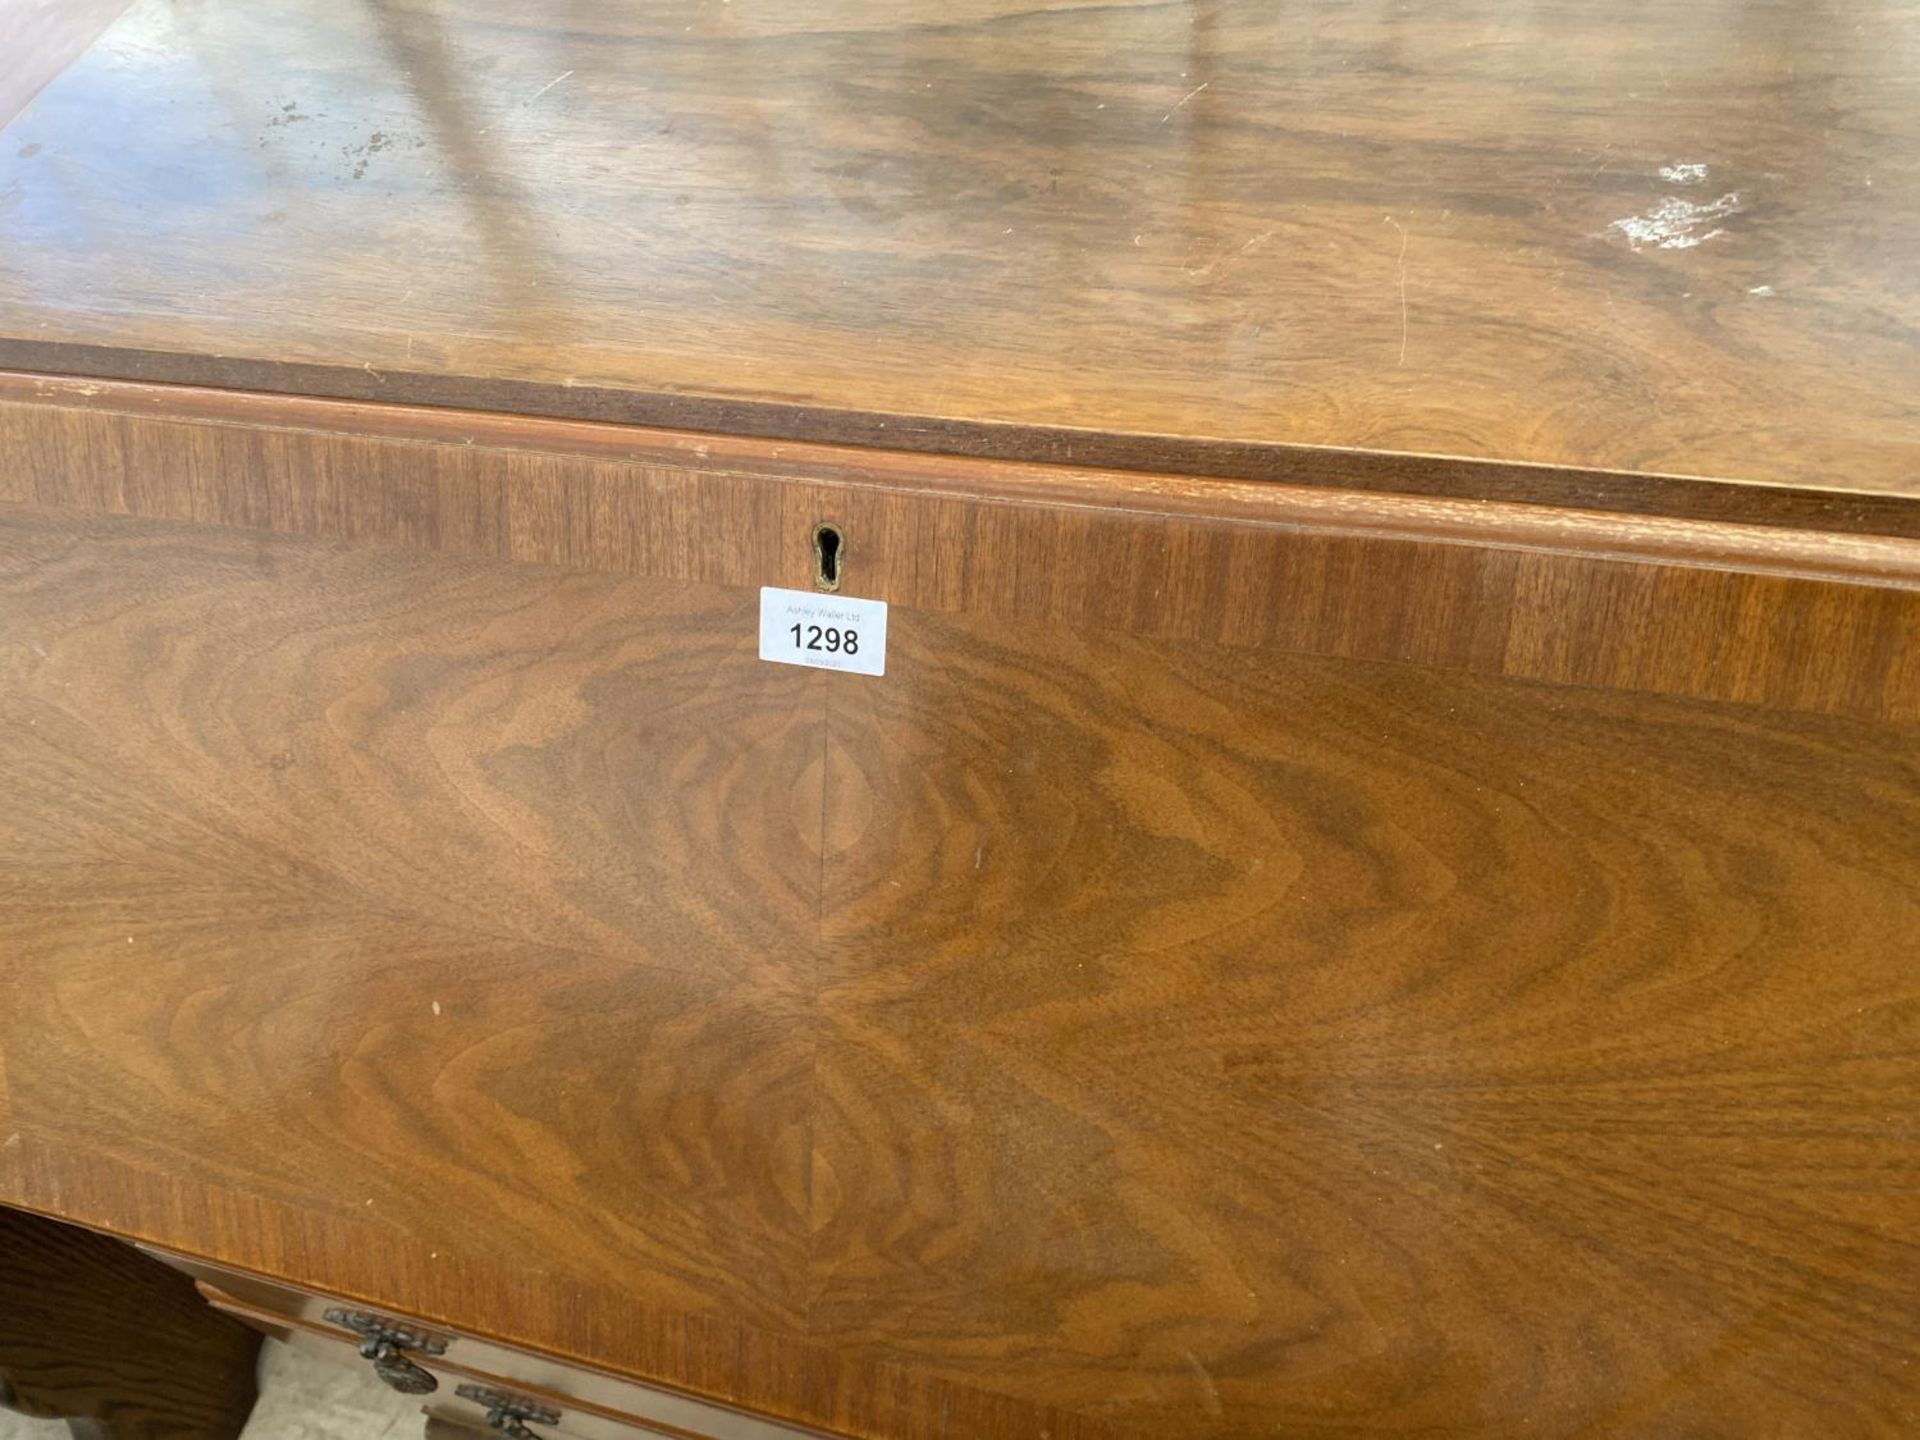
(301, 1398)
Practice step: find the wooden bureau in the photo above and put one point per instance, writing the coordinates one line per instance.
(1378, 892)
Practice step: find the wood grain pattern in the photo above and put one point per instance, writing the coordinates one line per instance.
(1443, 241)
(1302, 1064)
(115, 1343)
(689, 1159)
(1073, 1032)
(1511, 590)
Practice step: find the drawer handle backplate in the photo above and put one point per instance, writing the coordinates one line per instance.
(508, 1413)
(386, 1343)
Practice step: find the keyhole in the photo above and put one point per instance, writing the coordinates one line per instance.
(828, 550)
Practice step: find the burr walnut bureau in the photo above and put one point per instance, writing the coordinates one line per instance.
(950, 722)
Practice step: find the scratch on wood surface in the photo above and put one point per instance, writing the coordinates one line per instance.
(1184, 98)
(1214, 1407)
(1403, 284)
(1203, 271)
(546, 87)
(531, 98)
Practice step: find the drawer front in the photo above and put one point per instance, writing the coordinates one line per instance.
(466, 1404)
(463, 1398)
(581, 1392)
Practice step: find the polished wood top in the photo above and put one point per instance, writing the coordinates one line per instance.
(1682, 240)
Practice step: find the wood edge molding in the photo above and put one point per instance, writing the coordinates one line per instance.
(1821, 555)
(1702, 498)
(1787, 619)
(9, 1136)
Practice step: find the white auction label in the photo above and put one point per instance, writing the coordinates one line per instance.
(828, 632)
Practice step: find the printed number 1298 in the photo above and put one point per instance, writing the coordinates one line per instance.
(822, 632)
(830, 638)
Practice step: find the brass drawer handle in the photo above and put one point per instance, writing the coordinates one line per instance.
(385, 1342)
(509, 1414)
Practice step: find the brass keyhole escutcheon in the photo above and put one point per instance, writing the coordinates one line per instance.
(829, 555)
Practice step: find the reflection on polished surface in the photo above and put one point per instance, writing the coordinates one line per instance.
(1638, 237)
